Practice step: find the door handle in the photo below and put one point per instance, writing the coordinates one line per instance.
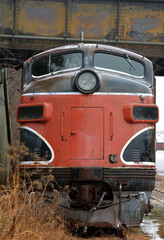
(111, 126)
(62, 125)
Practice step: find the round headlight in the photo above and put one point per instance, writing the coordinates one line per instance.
(87, 81)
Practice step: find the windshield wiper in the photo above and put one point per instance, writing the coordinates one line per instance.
(129, 61)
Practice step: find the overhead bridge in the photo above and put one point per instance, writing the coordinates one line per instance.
(27, 27)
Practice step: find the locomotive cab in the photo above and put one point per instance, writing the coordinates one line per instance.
(87, 113)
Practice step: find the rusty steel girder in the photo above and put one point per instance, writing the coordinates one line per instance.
(136, 25)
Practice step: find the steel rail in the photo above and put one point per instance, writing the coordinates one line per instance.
(157, 199)
(155, 189)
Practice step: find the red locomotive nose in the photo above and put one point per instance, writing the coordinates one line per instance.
(87, 114)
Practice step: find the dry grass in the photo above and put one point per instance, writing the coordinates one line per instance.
(158, 215)
(20, 220)
(26, 216)
(161, 230)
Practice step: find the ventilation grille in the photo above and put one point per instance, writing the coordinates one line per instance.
(136, 155)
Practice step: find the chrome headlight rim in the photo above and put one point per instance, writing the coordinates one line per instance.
(91, 90)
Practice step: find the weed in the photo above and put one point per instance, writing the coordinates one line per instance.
(30, 213)
(161, 230)
(24, 214)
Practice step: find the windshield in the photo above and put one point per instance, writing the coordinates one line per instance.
(54, 63)
(119, 63)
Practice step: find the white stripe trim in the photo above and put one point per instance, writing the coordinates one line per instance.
(120, 72)
(53, 73)
(123, 149)
(78, 93)
(38, 162)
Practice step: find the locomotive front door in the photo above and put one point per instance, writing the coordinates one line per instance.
(87, 133)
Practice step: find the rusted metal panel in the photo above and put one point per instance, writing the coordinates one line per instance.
(141, 21)
(132, 211)
(96, 19)
(146, 49)
(41, 18)
(128, 21)
(38, 25)
(6, 16)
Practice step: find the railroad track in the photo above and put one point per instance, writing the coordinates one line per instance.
(158, 195)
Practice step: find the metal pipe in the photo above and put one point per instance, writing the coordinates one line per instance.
(82, 36)
(130, 195)
(87, 220)
(78, 40)
(91, 210)
(120, 190)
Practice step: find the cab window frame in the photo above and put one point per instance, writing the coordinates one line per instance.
(120, 72)
(49, 56)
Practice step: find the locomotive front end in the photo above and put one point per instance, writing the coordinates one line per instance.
(87, 114)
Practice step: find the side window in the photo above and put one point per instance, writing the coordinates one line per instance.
(25, 74)
(41, 67)
(56, 63)
(66, 61)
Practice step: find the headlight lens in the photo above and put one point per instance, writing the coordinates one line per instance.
(87, 81)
